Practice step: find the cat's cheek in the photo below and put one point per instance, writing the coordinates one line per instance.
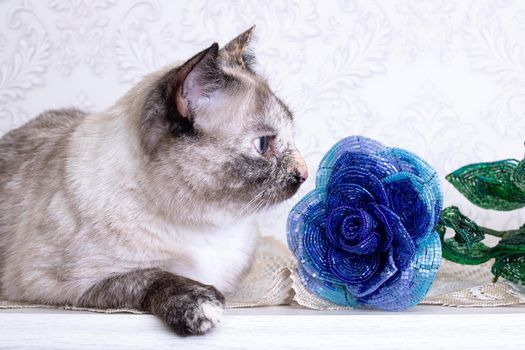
(291, 190)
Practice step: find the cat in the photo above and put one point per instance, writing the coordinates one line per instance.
(149, 204)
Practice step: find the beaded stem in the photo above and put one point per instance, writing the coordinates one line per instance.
(499, 234)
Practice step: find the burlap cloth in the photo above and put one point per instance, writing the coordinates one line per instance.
(273, 281)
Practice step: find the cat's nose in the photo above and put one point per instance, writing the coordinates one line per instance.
(298, 167)
(301, 174)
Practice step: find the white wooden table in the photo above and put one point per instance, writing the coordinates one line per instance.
(283, 327)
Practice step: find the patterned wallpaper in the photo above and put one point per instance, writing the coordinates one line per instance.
(443, 78)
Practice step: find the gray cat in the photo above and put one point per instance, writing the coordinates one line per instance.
(150, 203)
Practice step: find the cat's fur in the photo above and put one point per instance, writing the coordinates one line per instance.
(148, 204)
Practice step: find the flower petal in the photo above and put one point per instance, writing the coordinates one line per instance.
(387, 270)
(410, 200)
(335, 292)
(377, 165)
(409, 162)
(306, 237)
(315, 248)
(392, 292)
(350, 144)
(368, 245)
(349, 195)
(409, 288)
(299, 213)
(352, 268)
(361, 181)
(402, 243)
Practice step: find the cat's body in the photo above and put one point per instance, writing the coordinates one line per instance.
(148, 204)
(60, 195)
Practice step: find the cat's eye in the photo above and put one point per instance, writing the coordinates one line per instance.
(262, 144)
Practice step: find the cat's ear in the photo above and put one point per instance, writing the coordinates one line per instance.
(190, 86)
(237, 52)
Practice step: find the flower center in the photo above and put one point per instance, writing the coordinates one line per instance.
(352, 230)
(354, 226)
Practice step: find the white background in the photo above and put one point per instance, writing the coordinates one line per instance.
(444, 79)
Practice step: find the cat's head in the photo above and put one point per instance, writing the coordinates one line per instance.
(214, 127)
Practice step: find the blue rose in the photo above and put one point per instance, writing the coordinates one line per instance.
(365, 236)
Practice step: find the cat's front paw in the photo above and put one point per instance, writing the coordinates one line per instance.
(195, 312)
(187, 306)
(206, 316)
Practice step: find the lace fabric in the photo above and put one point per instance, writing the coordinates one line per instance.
(455, 285)
(273, 280)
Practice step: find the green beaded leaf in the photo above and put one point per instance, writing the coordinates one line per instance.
(510, 257)
(465, 247)
(476, 254)
(519, 175)
(510, 267)
(467, 231)
(491, 185)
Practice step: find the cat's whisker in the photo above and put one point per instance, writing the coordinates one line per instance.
(246, 208)
(262, 204)
(254, 203)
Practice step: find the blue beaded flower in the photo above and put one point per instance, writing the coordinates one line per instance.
(365, 236)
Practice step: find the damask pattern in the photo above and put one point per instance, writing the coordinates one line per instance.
(442, 78)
